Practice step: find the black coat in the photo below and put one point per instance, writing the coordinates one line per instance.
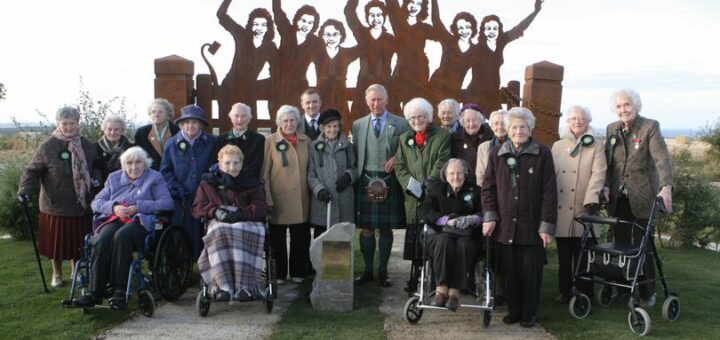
(252, 145)
(141, 140)
(528, 208)
(465, 146)
(440, 200)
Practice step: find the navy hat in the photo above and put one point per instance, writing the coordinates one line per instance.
(328, 116)
(472, 106)
(192, 112)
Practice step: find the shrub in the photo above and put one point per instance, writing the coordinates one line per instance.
(711, 134)
(12, 212)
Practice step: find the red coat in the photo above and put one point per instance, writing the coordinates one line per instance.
(251, 202)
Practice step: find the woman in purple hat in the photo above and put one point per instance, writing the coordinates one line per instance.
(473, 131)
(186, 156)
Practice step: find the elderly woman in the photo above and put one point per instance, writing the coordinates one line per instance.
(125, 212)
(187, 156)
(519, 199)
(63, 165)
(232, 260)
(286, 188)
(421, 153)
(452, 209)
(111, 145)
(250, 142)
(332, 174)
(580, 168)
(152, 137)
(639, 168)
(465, 142)
(497, 125)
(449, 114)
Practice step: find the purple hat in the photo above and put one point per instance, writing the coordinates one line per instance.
(192, 112)
(472, 106)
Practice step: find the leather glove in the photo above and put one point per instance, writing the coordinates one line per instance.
(324, 195)
(24, 198)
(222, 215)
(592, 208)
(343, 182)
(234, 216)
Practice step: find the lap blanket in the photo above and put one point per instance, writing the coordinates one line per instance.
(232, 259)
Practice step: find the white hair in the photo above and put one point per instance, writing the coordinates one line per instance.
(418, 104)
(627, 93)
(134, 153)
(241, 108)
(520, 113)
(287, 110)
(114, 118)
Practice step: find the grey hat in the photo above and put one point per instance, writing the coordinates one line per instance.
(192, 112)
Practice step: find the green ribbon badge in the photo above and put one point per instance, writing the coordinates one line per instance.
(65, 157)
(282, 146)
(611, 150)
(183, 145)
(320, 147)
(512, 163)
(584, 141)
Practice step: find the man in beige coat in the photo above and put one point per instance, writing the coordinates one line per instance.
(639, 168)
(580, 167)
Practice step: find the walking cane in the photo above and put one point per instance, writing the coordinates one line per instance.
(327, 224)
(34, 242)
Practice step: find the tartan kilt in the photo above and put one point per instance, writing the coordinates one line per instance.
(373, 215)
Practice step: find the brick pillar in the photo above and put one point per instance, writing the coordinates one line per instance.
(542, 94)
(174, 81)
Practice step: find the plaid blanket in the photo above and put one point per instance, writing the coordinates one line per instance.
(232, 259)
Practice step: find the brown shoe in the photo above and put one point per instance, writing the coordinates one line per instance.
(453, 303)
(440, 300)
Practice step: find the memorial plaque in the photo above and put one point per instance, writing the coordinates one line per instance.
(336, 260)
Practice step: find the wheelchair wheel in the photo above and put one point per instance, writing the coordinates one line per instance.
(579, 306)
(412, 312)
(202, 304)
(604, 295)
(639, 321)
(146, 303)
(671, 308)
(487, 316)
(172, 267)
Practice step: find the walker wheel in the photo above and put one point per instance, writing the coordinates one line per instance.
(487, 316)
(412, 312)
(671, 308)
(639, 321)
(146, 303)
(202, 304)
(604, 295)
(579, 306)
(269, 304)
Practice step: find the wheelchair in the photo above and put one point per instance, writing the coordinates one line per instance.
(483, 292)
(205, 298)
(168, 253)
(621, 266)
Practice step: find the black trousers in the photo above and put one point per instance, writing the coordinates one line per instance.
(453, 258)
(630, 235)
(524, 269)
(568, 249)
(111, 254)
(299, 249)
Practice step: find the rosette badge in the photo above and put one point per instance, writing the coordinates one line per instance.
(585, 140)
(320, 147)
(183, 145)
(282, 146)
(65, 157)
(512, 163)
(411, 142)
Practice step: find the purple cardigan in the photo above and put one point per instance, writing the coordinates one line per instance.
(149, 193)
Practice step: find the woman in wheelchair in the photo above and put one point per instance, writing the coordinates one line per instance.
(124, 213)
(232, 260)
(452, 210)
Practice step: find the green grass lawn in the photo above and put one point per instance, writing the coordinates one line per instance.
(691, 273)
(26, 312)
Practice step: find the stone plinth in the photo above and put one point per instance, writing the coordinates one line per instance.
(332, 257)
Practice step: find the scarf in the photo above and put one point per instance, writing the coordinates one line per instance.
(292, 139)
(79, 166)
(242, 182)
(110, 149)
(420, 137)
(188, 139)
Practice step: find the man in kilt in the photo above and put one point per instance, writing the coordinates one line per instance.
(379, 198)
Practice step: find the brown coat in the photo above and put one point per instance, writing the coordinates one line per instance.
(580, 180)
(57, 192)
(644, 167)
(250, 201)
(286, 187)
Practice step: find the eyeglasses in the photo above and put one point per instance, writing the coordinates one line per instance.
(417, 118)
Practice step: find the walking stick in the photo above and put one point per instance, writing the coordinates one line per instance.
(34, 242)
(329, 211)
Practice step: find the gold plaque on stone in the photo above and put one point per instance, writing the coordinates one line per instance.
(336, 260)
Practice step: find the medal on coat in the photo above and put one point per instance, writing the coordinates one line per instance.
(636, 141)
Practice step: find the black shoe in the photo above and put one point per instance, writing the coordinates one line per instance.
(453, 303)
(363, 279)
(243, 296)
(440, 300)
(510, 319)
(222, 295)
(117, 301)
(384, 281)
(529, 323)
(87, 301)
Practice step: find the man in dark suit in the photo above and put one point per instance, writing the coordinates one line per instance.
(376, 137)
(152, 137)
(639, 168)
(251, 143)
(310, 102)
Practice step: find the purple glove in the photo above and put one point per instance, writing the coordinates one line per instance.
(442, 221)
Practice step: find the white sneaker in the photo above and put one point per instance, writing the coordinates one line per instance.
(57, 281)
(297, 280)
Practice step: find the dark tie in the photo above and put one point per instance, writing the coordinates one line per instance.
(376, 127)
(313, 124)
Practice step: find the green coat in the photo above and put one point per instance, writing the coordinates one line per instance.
(411, 161)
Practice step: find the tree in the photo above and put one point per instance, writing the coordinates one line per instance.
(2, 91)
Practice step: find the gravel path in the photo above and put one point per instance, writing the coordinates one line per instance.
(437, 324)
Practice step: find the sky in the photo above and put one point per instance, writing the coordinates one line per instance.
(661, 48)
